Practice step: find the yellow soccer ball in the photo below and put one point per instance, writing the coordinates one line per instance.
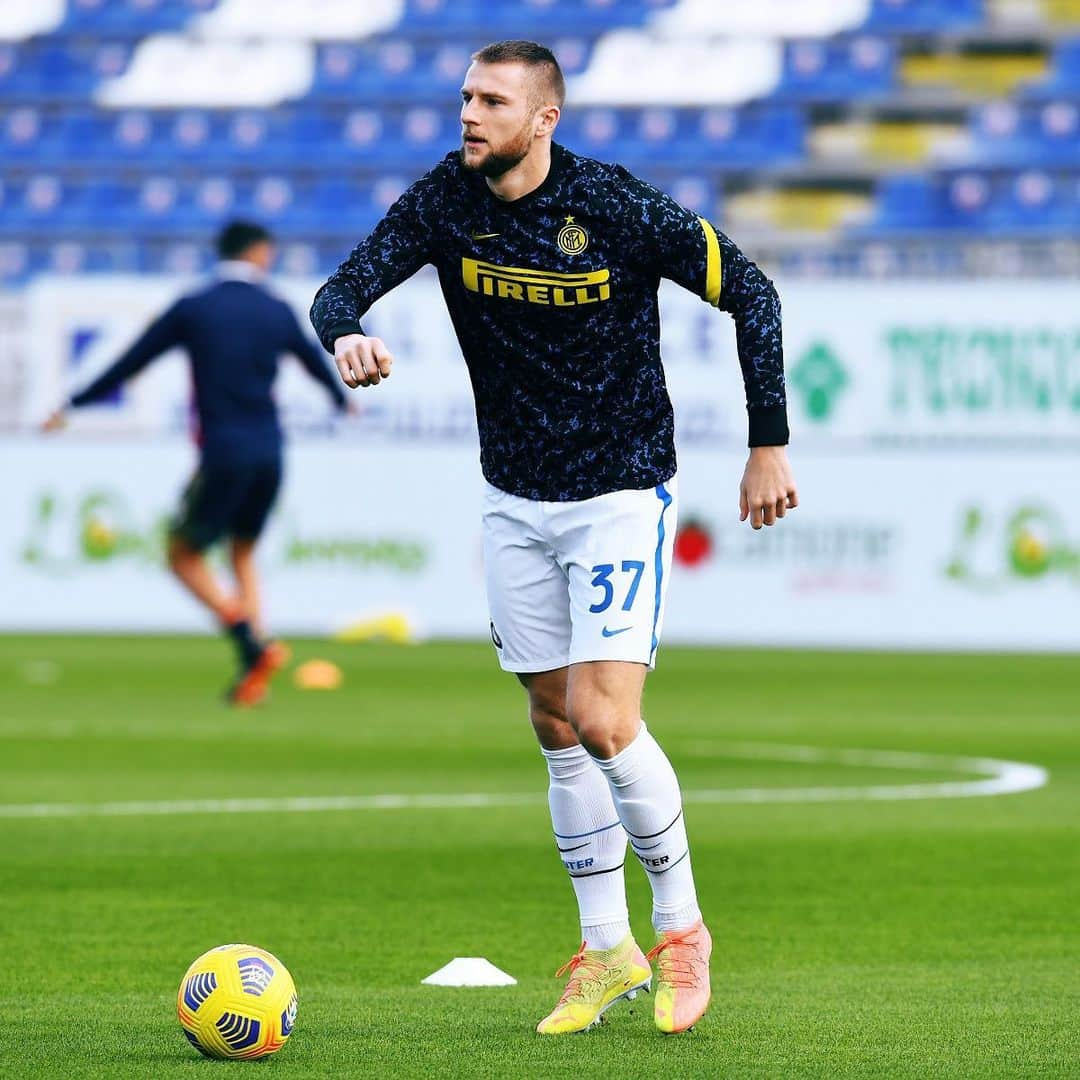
(237, 1001)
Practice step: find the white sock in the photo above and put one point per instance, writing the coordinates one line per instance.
(647, 797)
(591, 844)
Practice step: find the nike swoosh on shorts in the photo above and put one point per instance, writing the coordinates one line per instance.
(611, 633)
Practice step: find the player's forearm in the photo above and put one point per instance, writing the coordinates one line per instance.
(160, 336)
(336, 311)
(109, 380)
(755, 308)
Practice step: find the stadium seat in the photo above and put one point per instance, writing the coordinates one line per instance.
(389, 70)
(768, 18)
(476, 19)
(21, 21)
(838, 69)
(173, 70)
(31, 135)
(1063, 77)
(16, 259)
(1043, 133)
(312, 20)
(925, 15)
(134, 18)
(680, 71)
(1034, 201)
(905, 203)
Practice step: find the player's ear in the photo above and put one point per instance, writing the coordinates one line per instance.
(546, 119)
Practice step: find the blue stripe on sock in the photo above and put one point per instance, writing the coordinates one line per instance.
(578, 836)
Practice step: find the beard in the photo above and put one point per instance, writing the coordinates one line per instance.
(501, 161)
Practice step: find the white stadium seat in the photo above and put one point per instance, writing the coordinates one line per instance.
(765, 18)
(632, 67)
(23, 20)
(323, 20)
(172, 70)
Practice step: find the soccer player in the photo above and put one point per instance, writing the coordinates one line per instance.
(234, 331)
(549, 264)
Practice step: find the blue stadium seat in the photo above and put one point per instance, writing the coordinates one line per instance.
(391, 69)
(838, 69)
(43, 204)
(132, 17)
(718, 138)
(14, 73)
(278, 139)
(31, 135)
(1046, 134)
(905, 202)
(965, 200)
(925, 15)
(52, 70)
(16, 257)
(481, 19)
(1034, 202)
(1064, 77)
(739, 138)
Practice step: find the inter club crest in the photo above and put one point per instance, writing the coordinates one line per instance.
(573, 239)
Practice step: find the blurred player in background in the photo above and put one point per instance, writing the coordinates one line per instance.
(234, 332)
(549, 265)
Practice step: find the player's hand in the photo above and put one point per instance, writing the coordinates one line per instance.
(56, 422)
(362, 361)
(767, 491)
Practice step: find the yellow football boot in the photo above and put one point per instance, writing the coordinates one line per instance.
(682, 990)
(598, 978)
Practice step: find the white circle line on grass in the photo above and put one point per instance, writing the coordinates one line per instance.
(996, 778)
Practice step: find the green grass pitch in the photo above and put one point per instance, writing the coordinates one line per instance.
(892, 938)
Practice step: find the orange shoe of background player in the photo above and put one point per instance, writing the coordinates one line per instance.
(682, 979)
(252, 686)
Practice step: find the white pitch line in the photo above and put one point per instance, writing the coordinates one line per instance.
(999, 778)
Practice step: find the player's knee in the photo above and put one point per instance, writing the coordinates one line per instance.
(597, 731)
(180, 553)
(551, 732)
(176, 552)
(548, 716)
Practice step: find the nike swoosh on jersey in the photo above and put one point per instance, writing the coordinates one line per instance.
(485, 235)
(612, 633)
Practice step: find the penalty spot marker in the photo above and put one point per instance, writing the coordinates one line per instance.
(469, 971)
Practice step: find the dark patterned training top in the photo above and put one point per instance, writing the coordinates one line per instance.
(554, 300)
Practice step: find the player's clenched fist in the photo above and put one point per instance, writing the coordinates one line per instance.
(767, 491)
(362, 361)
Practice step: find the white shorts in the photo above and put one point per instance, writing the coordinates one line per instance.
(569, 582)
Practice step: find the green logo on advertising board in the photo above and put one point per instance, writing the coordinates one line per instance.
(980, 370)
(1031, 543)
(99, 528)
(819, 377)
(93, 529)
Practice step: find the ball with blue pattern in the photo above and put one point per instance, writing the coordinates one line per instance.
(237, 1001)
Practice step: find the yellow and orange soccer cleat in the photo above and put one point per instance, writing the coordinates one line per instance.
(253, 684)
(598, 978)
(682, 990)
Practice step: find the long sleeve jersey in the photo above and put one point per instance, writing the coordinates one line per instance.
(553, 297)
(234, 333)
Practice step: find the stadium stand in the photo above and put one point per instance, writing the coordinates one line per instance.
(817, 130)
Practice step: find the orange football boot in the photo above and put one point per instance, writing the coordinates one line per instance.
(682, 981)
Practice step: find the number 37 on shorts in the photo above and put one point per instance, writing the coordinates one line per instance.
(578, 581)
